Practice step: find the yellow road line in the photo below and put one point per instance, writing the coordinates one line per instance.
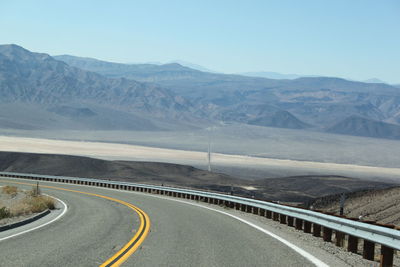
(122, 255)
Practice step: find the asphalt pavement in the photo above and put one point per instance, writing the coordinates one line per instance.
(93, 229)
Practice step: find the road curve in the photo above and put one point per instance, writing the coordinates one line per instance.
(181, 235)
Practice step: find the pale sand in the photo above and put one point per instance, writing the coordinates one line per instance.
(143, 153)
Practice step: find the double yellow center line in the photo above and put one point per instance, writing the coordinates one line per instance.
(122, 255)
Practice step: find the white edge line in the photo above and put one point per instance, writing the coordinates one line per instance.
(302, 252)
(42, 225)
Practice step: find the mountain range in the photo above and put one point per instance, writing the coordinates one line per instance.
(38, 91)
(308, 102)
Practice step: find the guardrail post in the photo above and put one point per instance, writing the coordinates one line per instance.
(275, 216)
(339, 238)
(262, 212)
(268, 214)
(282, 219)
(307, 227)
(255, 210)
(386, 256)
(352, 244)
(237, 206)
(327, 234)
(249, 208)
(299, 224)
(369, 250)
(242, 207)
(316, 230)
(290, 221)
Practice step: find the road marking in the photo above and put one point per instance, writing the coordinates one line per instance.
(40, 226)
(305, 254)
(129, 248)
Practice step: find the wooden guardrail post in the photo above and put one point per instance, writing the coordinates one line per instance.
(307, 227)
(369, 250)
(386, 256)
(255, 210)
(282, 219)
(249, 209)
(262, 212)
(339, 238)
(290, 221)
(316, 230)
(299, 224)
(352, 244)
(269, 214)
(327, 234)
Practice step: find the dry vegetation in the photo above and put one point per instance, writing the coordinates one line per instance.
(10, 190)
(18, 203)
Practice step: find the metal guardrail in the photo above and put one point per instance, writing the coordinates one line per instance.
(387, 237)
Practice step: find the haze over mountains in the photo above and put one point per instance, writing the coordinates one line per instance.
(308, 102)
(38, 91)
(43, 92)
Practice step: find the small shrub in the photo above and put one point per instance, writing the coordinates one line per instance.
(50, 202)
(40, 203)
(10, 190)
(4, 213)
(20, 208)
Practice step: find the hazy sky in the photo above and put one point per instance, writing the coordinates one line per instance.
(349, 38)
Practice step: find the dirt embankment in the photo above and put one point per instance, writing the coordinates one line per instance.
(381, 205)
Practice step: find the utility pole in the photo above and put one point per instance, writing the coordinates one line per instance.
(209, 129)
(342, 200)
(209, 154)
(37, 193)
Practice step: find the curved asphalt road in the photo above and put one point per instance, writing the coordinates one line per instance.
(94, 229)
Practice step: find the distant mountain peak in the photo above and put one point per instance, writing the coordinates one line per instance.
(358, 125)
(373, 80)
(192, 66)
